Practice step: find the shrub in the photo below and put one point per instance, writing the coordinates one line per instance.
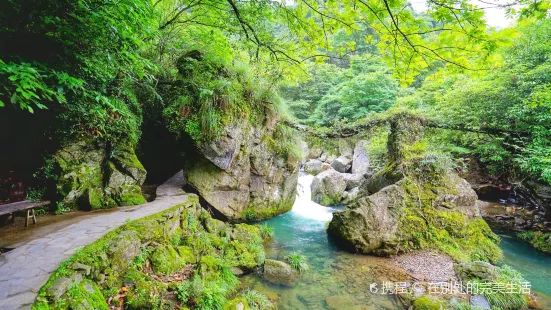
(538, 240)
(258, 301)
(266, 231)
(506, 300)
(297, 261)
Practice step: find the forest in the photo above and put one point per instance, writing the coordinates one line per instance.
(416, 130)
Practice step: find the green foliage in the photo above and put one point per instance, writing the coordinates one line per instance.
(217, 93)
(266, 231)
(513, 98)
(258, 301)
(506, 300)
(140, 259)
(336, 95)
(539, 240)
(93, 61)
(428, 303)
(28, 87)
(203, 295)
(297, 261)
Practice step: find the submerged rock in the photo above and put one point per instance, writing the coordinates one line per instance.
(279, 273)
(328, 187)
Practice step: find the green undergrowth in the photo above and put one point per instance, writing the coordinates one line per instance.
(181, 257)
(216, 92)
(503, 299)
(539, 240)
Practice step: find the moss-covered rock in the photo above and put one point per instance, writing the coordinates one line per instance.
(143, 291)
(428, 303)
(86, 296)
(278, 272)
(139, 253)
(96, 175)
(415, 202)
(165, 259)
(539, 240)
(244, 174)
(239, 303)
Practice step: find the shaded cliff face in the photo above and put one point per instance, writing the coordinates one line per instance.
(242, 175)
(95, 175)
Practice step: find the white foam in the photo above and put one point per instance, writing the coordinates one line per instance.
(305, 207)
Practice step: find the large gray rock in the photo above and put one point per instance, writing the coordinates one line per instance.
(351, 196)
(315, 166)
(476, 271)
(352, 180)
(462, 198)
(328, 187)
(372, 222)
(279, 273)
(360, 161)
(341, 164)
(346, 148)
(314, 152)
(242, 176)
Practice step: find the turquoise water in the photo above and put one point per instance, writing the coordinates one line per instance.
(343, 279)
(534, 265)
(335, 277)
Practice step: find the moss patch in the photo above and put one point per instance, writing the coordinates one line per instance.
(428, 303)
(539, 240)
(174, 244)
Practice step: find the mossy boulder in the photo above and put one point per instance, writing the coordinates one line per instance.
(86, 296)
(476, 270)
(97, 175)
(278, 272)
(121, 252)
(243, 174)
(328, 187)
(239, 303)
(143, 291)
(165, 259)
(315, 166)
(428, 303)
(186, 253)
(426, 208)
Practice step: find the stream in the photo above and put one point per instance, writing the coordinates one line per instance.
(341, 279)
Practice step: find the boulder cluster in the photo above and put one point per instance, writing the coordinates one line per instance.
(337, 178)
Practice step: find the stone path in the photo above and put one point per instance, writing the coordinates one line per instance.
(25, 269)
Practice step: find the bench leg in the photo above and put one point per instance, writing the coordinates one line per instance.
(30, 215)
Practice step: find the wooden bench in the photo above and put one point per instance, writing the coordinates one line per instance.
(26, 205)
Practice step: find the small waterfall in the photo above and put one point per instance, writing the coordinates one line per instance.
(304, 206)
